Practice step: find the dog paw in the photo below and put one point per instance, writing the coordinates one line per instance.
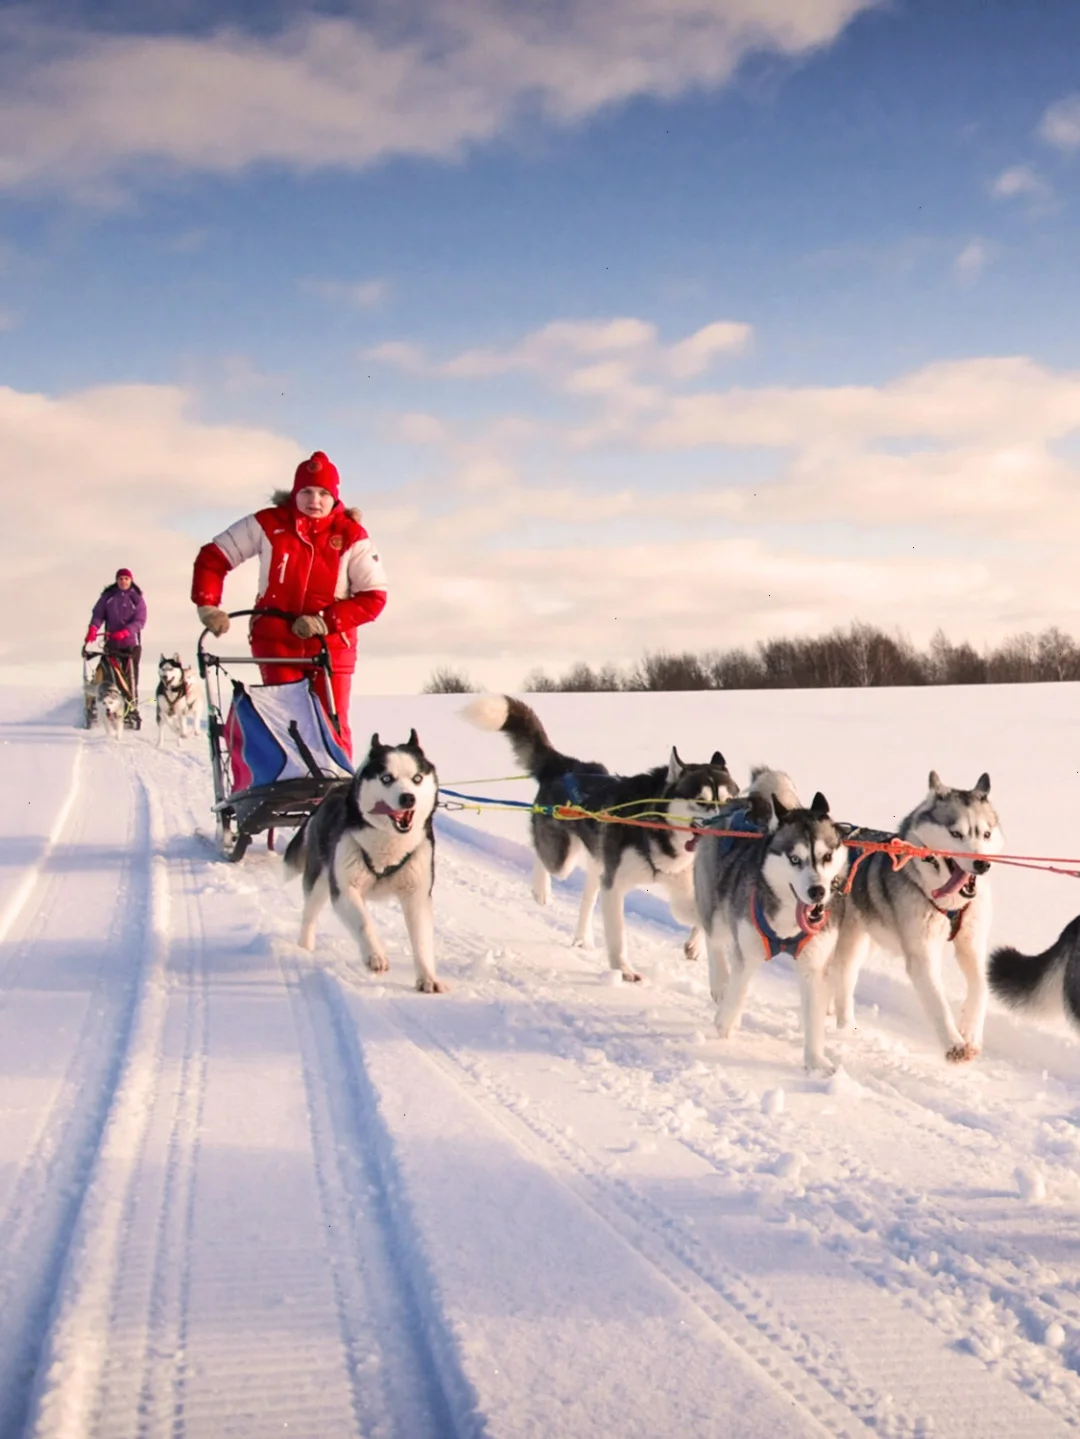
(378, 963)
(631, 976)
(819, 1067)
(693, 949)
(430, 985)
(962, 1053)
(583, 941)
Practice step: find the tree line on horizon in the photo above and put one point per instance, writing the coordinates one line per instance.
(852, 658)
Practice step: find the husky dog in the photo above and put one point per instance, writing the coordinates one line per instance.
(110, 703)
(372, 838)
(1047, 982)
(774, 893)
(617, 857)
(917, 909)
(177, 700)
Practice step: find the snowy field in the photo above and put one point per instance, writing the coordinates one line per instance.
(245, 1193)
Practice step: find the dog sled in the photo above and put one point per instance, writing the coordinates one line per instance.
(104, 669)
(274, 751)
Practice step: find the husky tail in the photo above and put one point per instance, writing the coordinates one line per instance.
(296, 854)
(1049, 981)
(528, 738)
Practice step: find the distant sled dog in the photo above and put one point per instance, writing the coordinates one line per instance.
(773, 893)
(918, 909)
(616, 857)
(110, 703)
(177, 701)
(1047, 983)
(370, 840)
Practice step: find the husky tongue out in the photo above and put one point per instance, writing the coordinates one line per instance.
(402, 818)
(811, 918)
(958, 879)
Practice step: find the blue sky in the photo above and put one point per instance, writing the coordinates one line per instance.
(466, 249)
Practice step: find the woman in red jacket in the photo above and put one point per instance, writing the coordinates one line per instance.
(316, 561)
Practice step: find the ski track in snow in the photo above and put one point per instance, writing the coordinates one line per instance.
(244, 1192)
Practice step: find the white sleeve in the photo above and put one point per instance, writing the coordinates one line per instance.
(241, 541)
(362, 569)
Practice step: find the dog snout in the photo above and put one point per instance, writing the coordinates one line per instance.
(980, 866)
(816, 892)
(407, 801)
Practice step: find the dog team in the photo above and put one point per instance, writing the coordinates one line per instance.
(752, 875)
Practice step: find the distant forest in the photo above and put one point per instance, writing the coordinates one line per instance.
(854, 658)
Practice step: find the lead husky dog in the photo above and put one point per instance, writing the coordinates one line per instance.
(769, 894)
(111, 708)
(916, 910)
(1047, 982)
(372, 838)
(617, 857)
(176, 700)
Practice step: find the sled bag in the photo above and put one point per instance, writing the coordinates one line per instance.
(278, 732)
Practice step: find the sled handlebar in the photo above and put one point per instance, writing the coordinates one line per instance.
(321, 661)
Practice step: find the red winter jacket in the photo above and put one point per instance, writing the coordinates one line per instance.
(325, 567)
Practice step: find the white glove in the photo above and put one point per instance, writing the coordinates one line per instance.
(306, 627)
(215, 620)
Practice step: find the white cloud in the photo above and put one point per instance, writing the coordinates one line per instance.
(941, 497)
(1060, 124)
(358, 295)
(971, 260)
(78, 108)
(1020, 180)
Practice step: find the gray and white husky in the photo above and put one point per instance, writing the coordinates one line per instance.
(616, 857)
(775, 892)
(111, 707)
(1047, 983)
(918, 909)
(177, 702)
(372, 839)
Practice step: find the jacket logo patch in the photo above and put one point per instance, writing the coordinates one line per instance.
(336, 542)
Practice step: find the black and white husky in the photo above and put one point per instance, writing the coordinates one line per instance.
(918, 909)
(1047, 983)
(111, 707)
(616, 857)
(774, 892)
(372, 839)
(177, 702)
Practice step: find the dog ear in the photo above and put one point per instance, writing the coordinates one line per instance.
(936, 786)
(414, 742)
(718, 760)
(819, 806)
(760, 808)
(982, 786)
(375, 742)
(780, 809)
(675, 766)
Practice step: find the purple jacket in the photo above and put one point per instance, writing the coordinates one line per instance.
(119, 609)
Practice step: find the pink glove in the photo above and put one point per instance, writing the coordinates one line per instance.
(120, 635)
(91, 635)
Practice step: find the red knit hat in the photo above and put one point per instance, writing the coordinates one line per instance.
(120, 574)
(318, 472)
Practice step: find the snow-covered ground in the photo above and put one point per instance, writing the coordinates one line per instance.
(244, 1193)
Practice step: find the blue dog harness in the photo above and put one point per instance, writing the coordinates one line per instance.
(772, 942)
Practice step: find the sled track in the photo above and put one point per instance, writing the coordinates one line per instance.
(833, 1400)
(45, 1205)
(381, 1286)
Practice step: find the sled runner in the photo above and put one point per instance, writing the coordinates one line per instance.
(274, 751)
(109, 667)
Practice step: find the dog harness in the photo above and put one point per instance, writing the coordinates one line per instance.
(390, 869)
(772, 942)
(734, 819)
(954, 916)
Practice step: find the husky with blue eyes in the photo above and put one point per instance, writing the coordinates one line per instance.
(370, 840)
(917, 910)
(774, 891)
